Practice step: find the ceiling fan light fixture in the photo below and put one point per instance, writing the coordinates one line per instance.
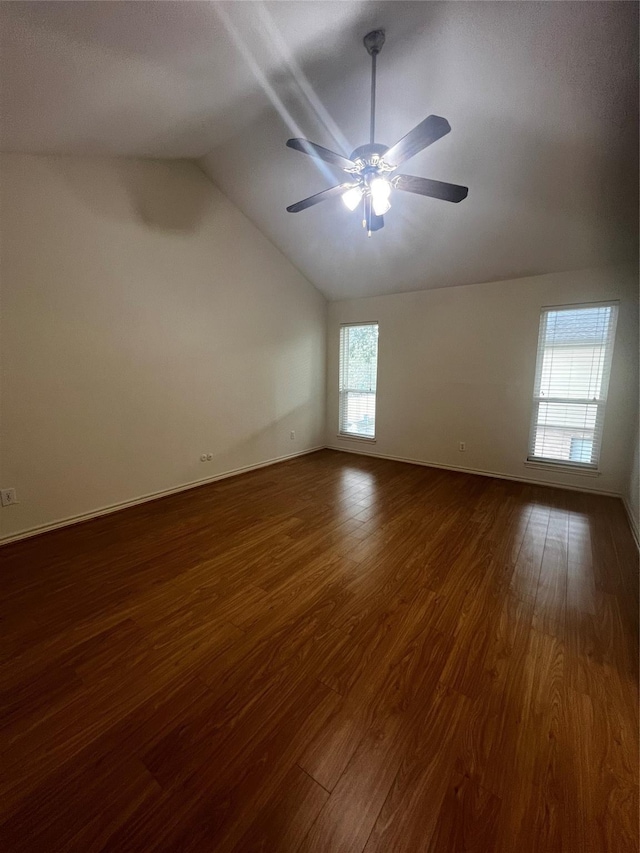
(381, 206)
(352, 197)
(380, 190)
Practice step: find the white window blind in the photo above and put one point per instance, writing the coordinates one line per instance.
(575, 347)
(358, 379)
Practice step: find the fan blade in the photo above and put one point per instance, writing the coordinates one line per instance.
(318, 197)
(373, 222)
(314, 150)
(376, 222)
(433, 189)
(422, 135)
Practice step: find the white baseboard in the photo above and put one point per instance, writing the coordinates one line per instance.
(106, 510)
(65, 522)
(478, 471)
(633, 521)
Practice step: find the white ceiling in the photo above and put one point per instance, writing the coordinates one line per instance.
(542, 99)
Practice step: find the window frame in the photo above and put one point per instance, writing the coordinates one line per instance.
(342, 433)
(600, 402)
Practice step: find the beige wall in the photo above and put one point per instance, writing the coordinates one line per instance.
(632, 494)
(457, 364)
(145, 321)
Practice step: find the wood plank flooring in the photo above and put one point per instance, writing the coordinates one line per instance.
(336, 653)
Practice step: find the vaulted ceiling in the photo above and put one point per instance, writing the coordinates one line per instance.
(542, 99)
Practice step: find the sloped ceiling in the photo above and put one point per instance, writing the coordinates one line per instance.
(542, 99)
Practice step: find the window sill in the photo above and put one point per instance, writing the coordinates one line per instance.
(356, 438)
(563, 469)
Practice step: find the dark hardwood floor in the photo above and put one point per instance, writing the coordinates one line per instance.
(336, 653)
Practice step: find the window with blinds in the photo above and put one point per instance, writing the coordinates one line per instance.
(575, 347)
(358, 379)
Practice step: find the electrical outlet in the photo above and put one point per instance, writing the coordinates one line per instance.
(203, 457)
(8, 497)
(209, 457)
(462, 447)
(292, 435)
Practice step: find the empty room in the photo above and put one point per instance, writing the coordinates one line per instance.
(319, 448)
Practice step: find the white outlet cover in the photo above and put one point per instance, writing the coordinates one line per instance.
(8, 497)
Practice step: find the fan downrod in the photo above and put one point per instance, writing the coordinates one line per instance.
(373, 42)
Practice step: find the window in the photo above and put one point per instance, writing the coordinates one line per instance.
(572, 376)
(358, 379)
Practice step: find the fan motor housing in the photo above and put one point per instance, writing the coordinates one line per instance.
(369, 154)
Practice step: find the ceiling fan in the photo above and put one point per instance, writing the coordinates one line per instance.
(370, 167)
